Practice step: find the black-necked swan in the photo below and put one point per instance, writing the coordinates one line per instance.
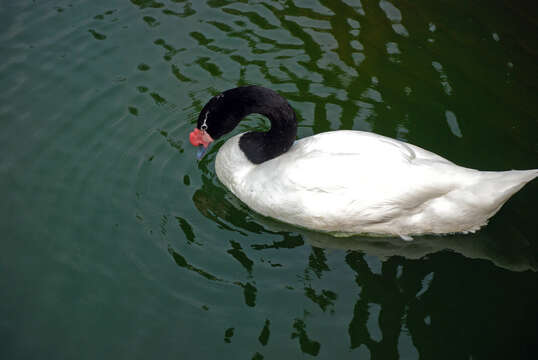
(345, 182)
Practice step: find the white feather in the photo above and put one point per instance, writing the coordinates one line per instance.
(352, 182)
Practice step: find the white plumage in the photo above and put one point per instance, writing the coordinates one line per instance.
(354, 182)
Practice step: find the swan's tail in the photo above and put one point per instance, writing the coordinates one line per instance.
(503, 184)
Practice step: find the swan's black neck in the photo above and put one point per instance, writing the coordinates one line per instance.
(223, 112)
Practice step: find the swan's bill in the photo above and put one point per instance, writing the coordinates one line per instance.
(202, 150)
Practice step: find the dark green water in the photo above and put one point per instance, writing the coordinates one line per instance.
(117, 244)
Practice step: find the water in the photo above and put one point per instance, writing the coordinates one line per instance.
(118, 244)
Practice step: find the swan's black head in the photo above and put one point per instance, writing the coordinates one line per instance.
(216, 119)
(223, 112)
(211, 116)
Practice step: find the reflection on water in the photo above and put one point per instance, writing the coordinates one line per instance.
(112, 227)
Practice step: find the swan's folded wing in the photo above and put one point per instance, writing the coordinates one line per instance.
(364, 188)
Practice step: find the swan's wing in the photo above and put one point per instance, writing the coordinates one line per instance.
(356, 161)
(363, 173)
(363, 178)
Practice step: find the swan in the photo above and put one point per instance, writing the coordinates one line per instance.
(345, 182)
